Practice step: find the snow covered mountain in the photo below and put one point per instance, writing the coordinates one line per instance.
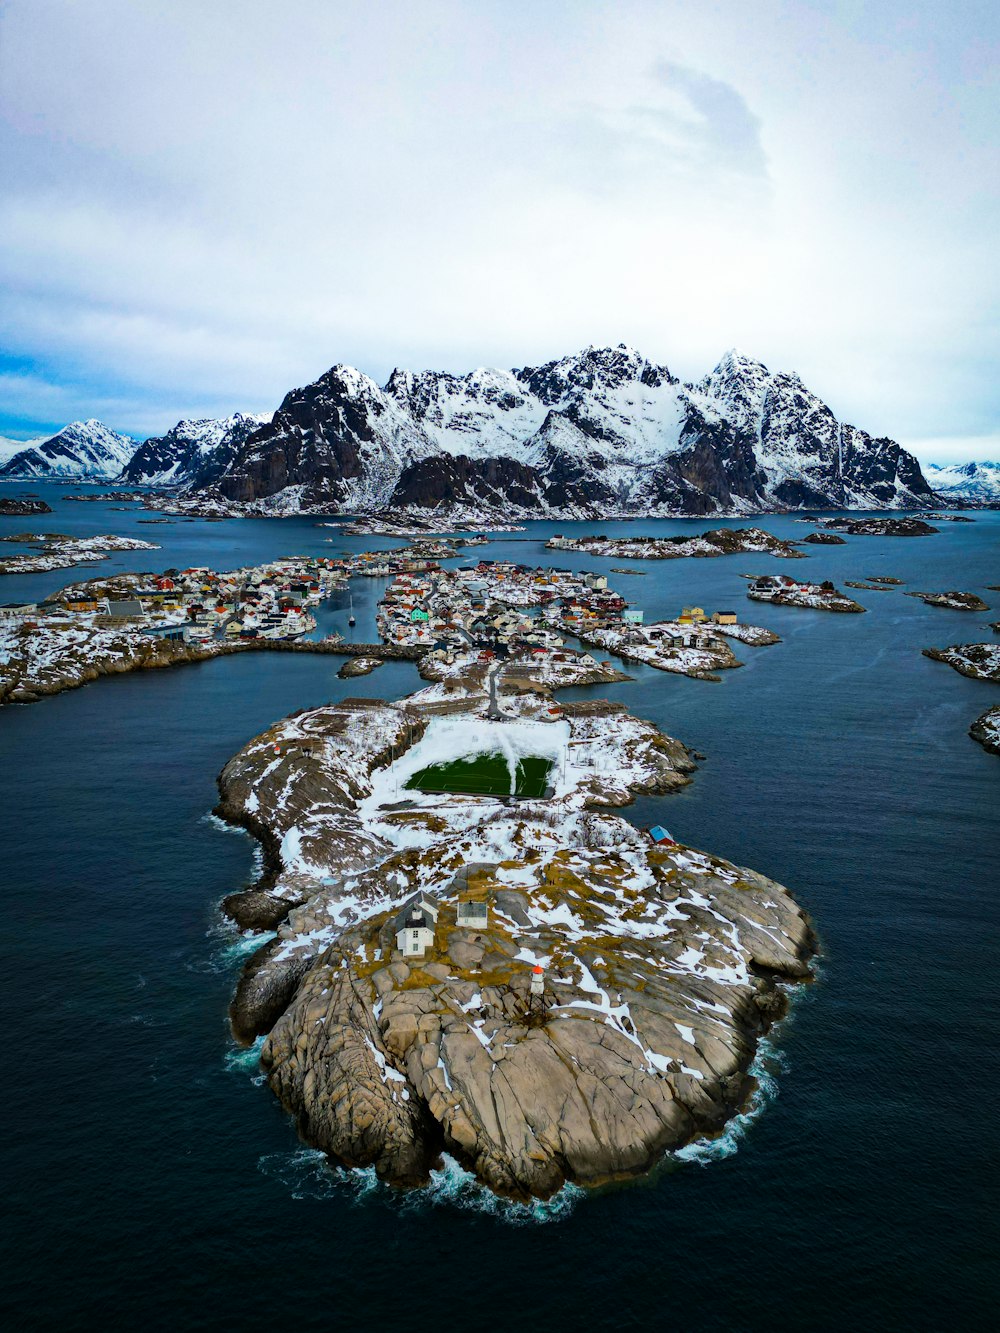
(604, 432)
(977, 483)
(9, 447)
(83, 449)
(191, 454)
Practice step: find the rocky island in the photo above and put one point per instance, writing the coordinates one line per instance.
(824, 539)
(986, 729)
(57, 551)
(407, 524)
(140, 621)
(881, 527)
(980, 661)
(952, 601)
(524, 982)
(719, 541)
(15, 507)
(783, 591)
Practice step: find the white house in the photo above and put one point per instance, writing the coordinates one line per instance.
(416, 934)
(415, 926)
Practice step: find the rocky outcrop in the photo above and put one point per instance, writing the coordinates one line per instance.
(660, 964)
(14, 508)
(986, 729)
(980, 661)
(54, 550)
(719, 541)
(952, 601)
(882, 527)
(36, 661)
(824, 539)
(359, 666)
(640, 1042)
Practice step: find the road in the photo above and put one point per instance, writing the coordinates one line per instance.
(494, 712)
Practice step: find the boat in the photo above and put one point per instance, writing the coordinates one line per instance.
(350, 619)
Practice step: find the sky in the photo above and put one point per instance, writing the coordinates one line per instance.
(203, 206)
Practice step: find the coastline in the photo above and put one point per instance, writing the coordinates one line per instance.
(293, 988)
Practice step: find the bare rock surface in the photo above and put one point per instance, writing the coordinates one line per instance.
(15, 507)
(952, 601)
(980, 661)
(660, 963)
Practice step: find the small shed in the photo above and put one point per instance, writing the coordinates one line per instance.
(473, 913)
(661, 836)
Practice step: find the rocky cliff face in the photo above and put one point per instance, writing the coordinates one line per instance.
(602, 432)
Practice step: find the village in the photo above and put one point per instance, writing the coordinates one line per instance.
(463, 621)
(267, 601)
(482, 614)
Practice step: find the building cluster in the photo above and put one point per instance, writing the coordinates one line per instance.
(776, 587)
(496, 606)
(267, 601)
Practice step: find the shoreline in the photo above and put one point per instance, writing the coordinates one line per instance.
(328, 922)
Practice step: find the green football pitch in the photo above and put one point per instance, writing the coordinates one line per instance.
(485, 775)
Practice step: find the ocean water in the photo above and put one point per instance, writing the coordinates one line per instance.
(151, 1180)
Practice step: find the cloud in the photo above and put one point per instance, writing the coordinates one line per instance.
(438, 185)
(956, 448)
(713, 121)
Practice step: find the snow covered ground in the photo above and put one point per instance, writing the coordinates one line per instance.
(59, 552)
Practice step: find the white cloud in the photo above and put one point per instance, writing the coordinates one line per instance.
(206, 205)
(956, 448)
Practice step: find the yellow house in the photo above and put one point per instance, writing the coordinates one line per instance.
(692, 615)
(724, 618)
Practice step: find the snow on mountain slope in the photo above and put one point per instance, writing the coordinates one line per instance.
(482, 413)
(977, 482)
(604, 431)
(9, 447)
(83, 449)
(192, 453)
(635, 409)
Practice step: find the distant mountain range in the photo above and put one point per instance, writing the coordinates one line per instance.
(602, 433)
(976, 482)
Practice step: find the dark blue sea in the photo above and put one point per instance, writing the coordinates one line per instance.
(153, 1183)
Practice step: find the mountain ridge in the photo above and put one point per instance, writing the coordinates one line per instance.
(82, 450)
(972, 482)
(603, 432)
